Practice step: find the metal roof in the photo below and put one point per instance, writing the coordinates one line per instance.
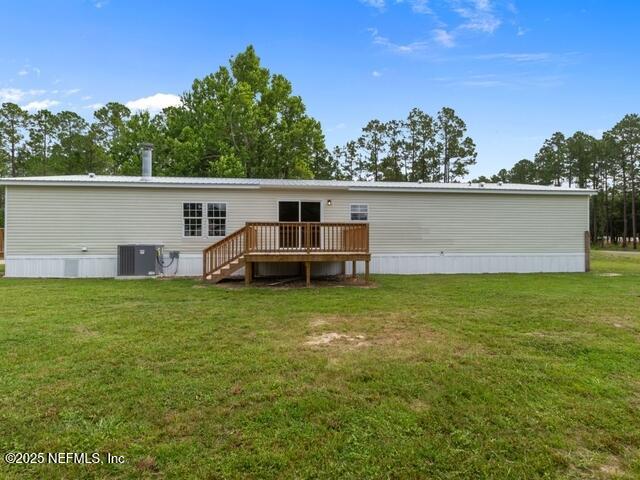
(258, 183)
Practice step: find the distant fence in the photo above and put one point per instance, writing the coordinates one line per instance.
(1, 242)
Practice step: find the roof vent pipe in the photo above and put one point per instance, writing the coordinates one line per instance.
(146, 151)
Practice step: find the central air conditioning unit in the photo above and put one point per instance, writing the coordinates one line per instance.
(139, 260)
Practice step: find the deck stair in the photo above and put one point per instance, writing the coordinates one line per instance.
(227, 270)
(225, 257)
(303, 242)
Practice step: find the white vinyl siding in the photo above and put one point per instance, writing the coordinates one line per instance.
(43, 220)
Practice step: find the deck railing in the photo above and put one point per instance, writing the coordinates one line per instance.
(286, 237)
(307, 237)
(224, 252)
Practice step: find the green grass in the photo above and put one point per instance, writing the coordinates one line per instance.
(467, 376)
(617, 247)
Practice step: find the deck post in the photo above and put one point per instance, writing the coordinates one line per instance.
(353, 269)
(248, 273)
(204, 265)
(587, 251)
(366, 270)
(307, 267)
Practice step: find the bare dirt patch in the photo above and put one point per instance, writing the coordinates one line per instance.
(318, 322)
(333, 338)
(84, 332)
(147, 464)
(390, 329)
(297, 282)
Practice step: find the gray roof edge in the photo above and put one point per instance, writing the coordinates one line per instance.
(240, 183)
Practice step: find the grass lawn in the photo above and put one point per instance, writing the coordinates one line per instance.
(468, 376)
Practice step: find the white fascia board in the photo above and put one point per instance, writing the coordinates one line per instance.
(44, 183)
(475, 190)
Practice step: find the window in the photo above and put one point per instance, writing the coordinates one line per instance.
(359, 212)
(217, 217)
(192, 219)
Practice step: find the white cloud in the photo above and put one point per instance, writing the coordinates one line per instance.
(93, 106)
(11, 94)
(444, 38)
(483, 83)
(521, 31)
(27, 70)
(478, 15)
(517, 81)
(376, 74)
(469, 17)
(516, 57)
(86, 97)
(339, 126)
(421, 6)
(71, 91)
(40, 104)
(154, 103)
(403, 49)
(17, 94)
(377, 4)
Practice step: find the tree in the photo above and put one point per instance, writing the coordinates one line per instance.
(627, 134)
(523, 171)
(609, 154)
(13, 120)
(371, 142)
(244, 121)
(140, 128)
(457, 152)
(109, 123)
(393, 165)
(349, 160)
(43, 130)
(551, 160)
(421, 154)
(579, 158)
(68, 155)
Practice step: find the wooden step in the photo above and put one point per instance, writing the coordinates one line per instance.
(226, 270)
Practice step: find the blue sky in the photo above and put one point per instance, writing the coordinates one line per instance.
(515, 71)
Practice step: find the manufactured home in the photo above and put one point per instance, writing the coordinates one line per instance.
(106, 226)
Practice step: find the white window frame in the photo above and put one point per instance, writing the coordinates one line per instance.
(351, 212)
(202, 220)
(226, 217)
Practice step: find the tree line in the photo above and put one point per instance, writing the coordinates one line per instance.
(418, 148)
(608, 165)
(241, 121)
(244, 121)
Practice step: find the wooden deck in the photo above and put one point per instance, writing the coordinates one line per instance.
(303, 242)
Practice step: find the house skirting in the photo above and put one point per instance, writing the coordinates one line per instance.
(105, 266)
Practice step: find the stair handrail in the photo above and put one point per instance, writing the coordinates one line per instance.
(223, 252)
